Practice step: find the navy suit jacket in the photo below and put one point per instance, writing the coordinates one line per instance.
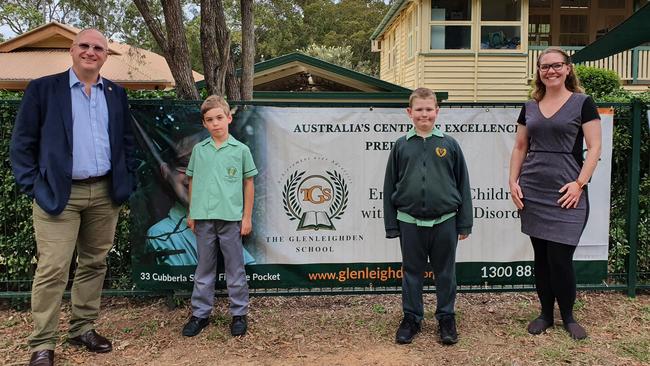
(41, 143)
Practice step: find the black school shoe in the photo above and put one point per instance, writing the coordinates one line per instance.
(539, 326)
(576, 331)
(407, 330)
(447, 328)
(194, 326)
(238, 326)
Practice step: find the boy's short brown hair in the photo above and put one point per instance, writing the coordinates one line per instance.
(422, 93)
(214, 101)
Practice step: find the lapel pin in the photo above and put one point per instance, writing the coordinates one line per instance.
(110, 89)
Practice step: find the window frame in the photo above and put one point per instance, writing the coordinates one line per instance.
(411, 32)
(430, 23)
(475, 24)
(522, 23)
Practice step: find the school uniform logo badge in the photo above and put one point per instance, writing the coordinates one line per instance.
(441, 152)
(314, 199)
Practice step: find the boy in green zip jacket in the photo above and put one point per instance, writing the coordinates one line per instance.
(428, 205)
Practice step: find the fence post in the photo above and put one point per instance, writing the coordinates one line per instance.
(633, 199)
(635, 64)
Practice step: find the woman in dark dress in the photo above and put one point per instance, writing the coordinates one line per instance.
(547, 180)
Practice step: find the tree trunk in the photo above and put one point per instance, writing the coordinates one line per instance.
(232, 83)
(248, 49)
(222, 70)
(174, 46)
(209, 46)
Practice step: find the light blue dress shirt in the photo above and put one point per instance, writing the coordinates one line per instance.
(91, 148)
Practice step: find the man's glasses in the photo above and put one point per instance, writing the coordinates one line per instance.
(87, 46)
(557, 66)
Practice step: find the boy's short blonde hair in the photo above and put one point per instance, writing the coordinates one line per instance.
(214, 101)
(423, 93)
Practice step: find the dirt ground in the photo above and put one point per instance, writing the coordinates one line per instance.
(352, 330)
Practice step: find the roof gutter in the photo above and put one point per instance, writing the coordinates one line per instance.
(393, 12)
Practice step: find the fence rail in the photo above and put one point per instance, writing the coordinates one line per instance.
(13, 286)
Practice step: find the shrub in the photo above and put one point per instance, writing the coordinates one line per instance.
(622, 150)
(599, 82)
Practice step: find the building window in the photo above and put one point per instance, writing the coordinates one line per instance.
(410, 41)
(393, 49)
(539, 30)
(500, 10)
(574, 30)
(451, 37)
(574, 4)
(611, 4)
(500, 37)
(389, 52)
(451, 10)
(540, 4)
(501, 24)
(451, 25)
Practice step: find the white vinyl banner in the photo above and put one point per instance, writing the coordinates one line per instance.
(323, 172)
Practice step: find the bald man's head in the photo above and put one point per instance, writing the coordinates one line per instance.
(89, 51)
(90, 30)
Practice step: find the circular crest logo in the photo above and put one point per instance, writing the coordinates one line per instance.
(315, 200)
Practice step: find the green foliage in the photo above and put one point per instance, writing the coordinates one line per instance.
(599, 82)
(338, 55)
(17, 247)
(378, 309)
(112, 17)
(23, 15)
(622, 150)
(151, 94)
(284, 26)
(10, 94)
(345, 23)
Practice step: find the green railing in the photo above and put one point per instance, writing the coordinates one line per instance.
(17, 247)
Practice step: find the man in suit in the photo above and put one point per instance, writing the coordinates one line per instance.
(72, 151)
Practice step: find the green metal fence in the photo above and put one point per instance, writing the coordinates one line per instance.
(629, 253)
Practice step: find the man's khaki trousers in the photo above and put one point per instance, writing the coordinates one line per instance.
(87, 224)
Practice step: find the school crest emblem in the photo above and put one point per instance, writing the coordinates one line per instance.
(441, 152)
(315, 200)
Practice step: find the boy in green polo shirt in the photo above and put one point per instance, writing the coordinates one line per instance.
(428, 205)
(221, 190)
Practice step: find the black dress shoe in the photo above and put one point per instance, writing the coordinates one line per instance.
(194, 326)
(238, 326)
(42, 358)
(407, 330)
(448, 333)
(92, 341)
